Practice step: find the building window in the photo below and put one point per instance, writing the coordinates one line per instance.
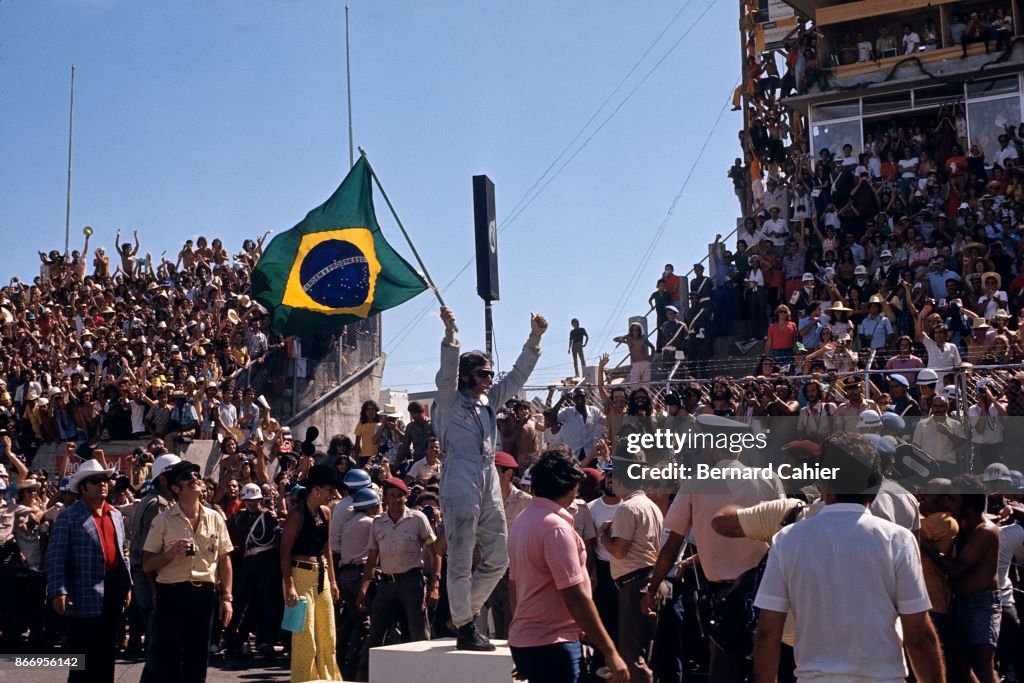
(836, 134)
(835, 110)
(993, 86)
(986, 119)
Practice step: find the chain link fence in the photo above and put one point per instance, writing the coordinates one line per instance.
(308, 368)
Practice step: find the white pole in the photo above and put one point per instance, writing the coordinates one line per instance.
(71, 128)
(348, 81)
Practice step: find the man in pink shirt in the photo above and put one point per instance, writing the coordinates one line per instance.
(548, 580)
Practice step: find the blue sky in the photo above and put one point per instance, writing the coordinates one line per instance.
(229, 118)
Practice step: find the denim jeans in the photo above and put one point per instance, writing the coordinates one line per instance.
(559, 662)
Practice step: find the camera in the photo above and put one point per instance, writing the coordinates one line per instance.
(191, 550)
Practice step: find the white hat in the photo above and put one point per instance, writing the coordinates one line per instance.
(161, 464)
(860, 270)
(927, 376)
(948, 392)
(89, 468)
(390, 410)
(886, 253)
(808, 277)
(251, 492)
(997, 471)
(869, 419)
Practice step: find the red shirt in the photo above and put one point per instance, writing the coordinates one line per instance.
(782, 338)
(231, 508)
(108, 537)
(672, 283)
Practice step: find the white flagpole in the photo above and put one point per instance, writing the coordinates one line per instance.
(71, 128)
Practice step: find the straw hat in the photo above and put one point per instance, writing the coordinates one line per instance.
(996, 276)
(979, 324)
(839, 307)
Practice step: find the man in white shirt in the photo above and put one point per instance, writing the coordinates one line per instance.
(605, 592)
(582, 426)
(1006, 150)
(776, 230)
(865, 50)
(941, 437)
(866, 573)
(942, 354)
(911, 40)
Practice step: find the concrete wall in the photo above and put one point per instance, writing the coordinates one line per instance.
(340, 414)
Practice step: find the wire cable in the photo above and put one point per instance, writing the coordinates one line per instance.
(652, 246)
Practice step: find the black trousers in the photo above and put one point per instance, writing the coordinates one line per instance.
(393, 601)
(184, 622)
(96, 637)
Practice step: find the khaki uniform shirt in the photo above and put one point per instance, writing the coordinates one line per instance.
(639, 519)
(400, 544)
(517, 501)
(210, 537)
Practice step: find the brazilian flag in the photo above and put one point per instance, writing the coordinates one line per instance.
(335, 267)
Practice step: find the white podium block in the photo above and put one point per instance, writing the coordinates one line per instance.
(430, 661)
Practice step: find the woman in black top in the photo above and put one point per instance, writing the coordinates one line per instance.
(308, 573)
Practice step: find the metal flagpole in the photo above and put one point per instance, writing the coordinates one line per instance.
(71, 128)
(401, 227)
(348, 81)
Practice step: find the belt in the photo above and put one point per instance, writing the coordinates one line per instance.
(191, 584)
(392, 578)
(350, 567)
(318, 566)
(632, 576)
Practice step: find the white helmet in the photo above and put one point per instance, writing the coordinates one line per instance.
(869, 419)
(927, 376)
(948, 392)
(161, 464)
(997, 471)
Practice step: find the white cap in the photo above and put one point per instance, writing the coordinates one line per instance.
(997, 471)
(927, 376)
(886, 253)
(948, 392)
(860, 270)
(808, 276)
(251, 492)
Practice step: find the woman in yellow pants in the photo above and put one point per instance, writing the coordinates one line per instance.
(308, 573)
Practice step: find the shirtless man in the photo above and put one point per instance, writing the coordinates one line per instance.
(722, 403)
(640, 349)
(518, 434)
(101, 264)
(186, 257)
(127, 253)
(973, 578)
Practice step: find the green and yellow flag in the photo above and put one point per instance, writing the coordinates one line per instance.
(335, 267)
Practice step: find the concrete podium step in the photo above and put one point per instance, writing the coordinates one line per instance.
(437, 661)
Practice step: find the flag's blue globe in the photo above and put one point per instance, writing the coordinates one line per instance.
(336, 274)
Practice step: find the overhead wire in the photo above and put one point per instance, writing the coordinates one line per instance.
(653, 244)
(520, 207)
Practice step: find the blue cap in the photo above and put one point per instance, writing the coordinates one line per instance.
(365, 499)
(899, 379)
(356, 479)
(883, 445)
(894, 422)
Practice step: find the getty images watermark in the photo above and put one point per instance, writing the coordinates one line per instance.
(706, 453)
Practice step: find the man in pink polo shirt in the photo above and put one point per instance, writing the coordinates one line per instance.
(552, 607)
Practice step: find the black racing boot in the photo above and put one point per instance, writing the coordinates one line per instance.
(471, 639)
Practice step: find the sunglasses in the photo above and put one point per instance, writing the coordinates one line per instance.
(189, 477)
(489, 374)
(96, 480)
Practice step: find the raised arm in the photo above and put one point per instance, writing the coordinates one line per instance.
(447, 380)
